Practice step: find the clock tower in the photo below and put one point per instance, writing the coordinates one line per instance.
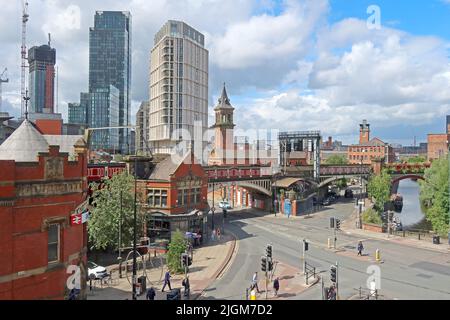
(223, 127)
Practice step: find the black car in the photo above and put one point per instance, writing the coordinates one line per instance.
(348, 193)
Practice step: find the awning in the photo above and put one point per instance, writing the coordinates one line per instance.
(286, 182)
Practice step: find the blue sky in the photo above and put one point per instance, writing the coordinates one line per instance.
(420, 17)
(288, 64)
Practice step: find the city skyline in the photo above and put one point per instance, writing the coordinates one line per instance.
(317, 79)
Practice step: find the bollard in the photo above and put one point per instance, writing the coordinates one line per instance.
(329, 243)
(377, 255)
(253, 295)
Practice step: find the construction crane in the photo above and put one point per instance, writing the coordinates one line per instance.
(23, 52)
(3, 79)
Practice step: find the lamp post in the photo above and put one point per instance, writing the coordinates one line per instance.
(134, 230)
(360, 198)
(120, 237)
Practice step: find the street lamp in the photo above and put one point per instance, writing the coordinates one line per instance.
(120, 237)
(360, 197)
(134, 230)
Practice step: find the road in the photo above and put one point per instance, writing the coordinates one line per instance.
(406, 273)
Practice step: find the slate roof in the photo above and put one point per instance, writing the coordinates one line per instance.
(24, 144)
(224, 102)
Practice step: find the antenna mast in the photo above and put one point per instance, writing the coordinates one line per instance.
(23, 52)
(3, 79)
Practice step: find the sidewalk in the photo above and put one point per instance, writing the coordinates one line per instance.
(349, 226)
(209, 261)
(292, 283)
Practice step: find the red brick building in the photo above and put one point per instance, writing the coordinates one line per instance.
(369, 149)
(174, 195)
(437, 146)
(42, 186)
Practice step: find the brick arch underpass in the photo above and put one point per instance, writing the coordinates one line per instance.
(412, 176)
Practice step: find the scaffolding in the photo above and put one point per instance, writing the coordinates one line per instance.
(301, 141)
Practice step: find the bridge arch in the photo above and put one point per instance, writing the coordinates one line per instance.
(396, 180)
(254, 187)
(335, 178)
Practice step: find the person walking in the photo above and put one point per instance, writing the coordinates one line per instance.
(166, 281)
(186, 286)
(213, 235)
(255, 281)
(276, 285)
(360, 248)
(151, 294)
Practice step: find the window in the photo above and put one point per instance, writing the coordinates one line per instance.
(157, 198)
(53, 242)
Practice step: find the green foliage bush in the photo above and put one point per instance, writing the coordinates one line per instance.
(176, 247)
(371, 216)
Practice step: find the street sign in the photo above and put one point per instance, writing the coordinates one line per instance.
(76, 219)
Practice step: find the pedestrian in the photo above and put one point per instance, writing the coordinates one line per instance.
(218, 234)
(186, 286)
(255, 281)
(213, 235)
(276, 285)
(166, 281)
(360, 248)
(151, 293)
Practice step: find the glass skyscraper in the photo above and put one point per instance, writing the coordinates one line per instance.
(103, 111)
(110, 65)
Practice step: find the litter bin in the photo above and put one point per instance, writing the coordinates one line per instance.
(142, 280)
(436, 240)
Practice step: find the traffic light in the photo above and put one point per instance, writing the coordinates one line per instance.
(184, 260)
(263, 264)
(269, 251)
(305, 245)
(224, 213)
(332, 223)
(269, 265)
(338, 224)
(333, 273)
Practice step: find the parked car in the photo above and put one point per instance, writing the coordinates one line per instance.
(224, 205)
(326, 202)
(348, 193)
(95, 270)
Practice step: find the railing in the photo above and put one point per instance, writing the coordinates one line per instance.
(310, 271)
(414, 233)
(367, 294)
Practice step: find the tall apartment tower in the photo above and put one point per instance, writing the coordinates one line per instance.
(110, 65)
(364, 132)
(178, 87)
(42, 61)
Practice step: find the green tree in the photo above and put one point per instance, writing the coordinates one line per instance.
(103, 227)
(416, 159)
(336, 160)
(342, 183)
(176, 247)
(371, 216)
(379, 188)
(434, 193)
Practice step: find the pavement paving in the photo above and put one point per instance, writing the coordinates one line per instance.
(208, 262)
